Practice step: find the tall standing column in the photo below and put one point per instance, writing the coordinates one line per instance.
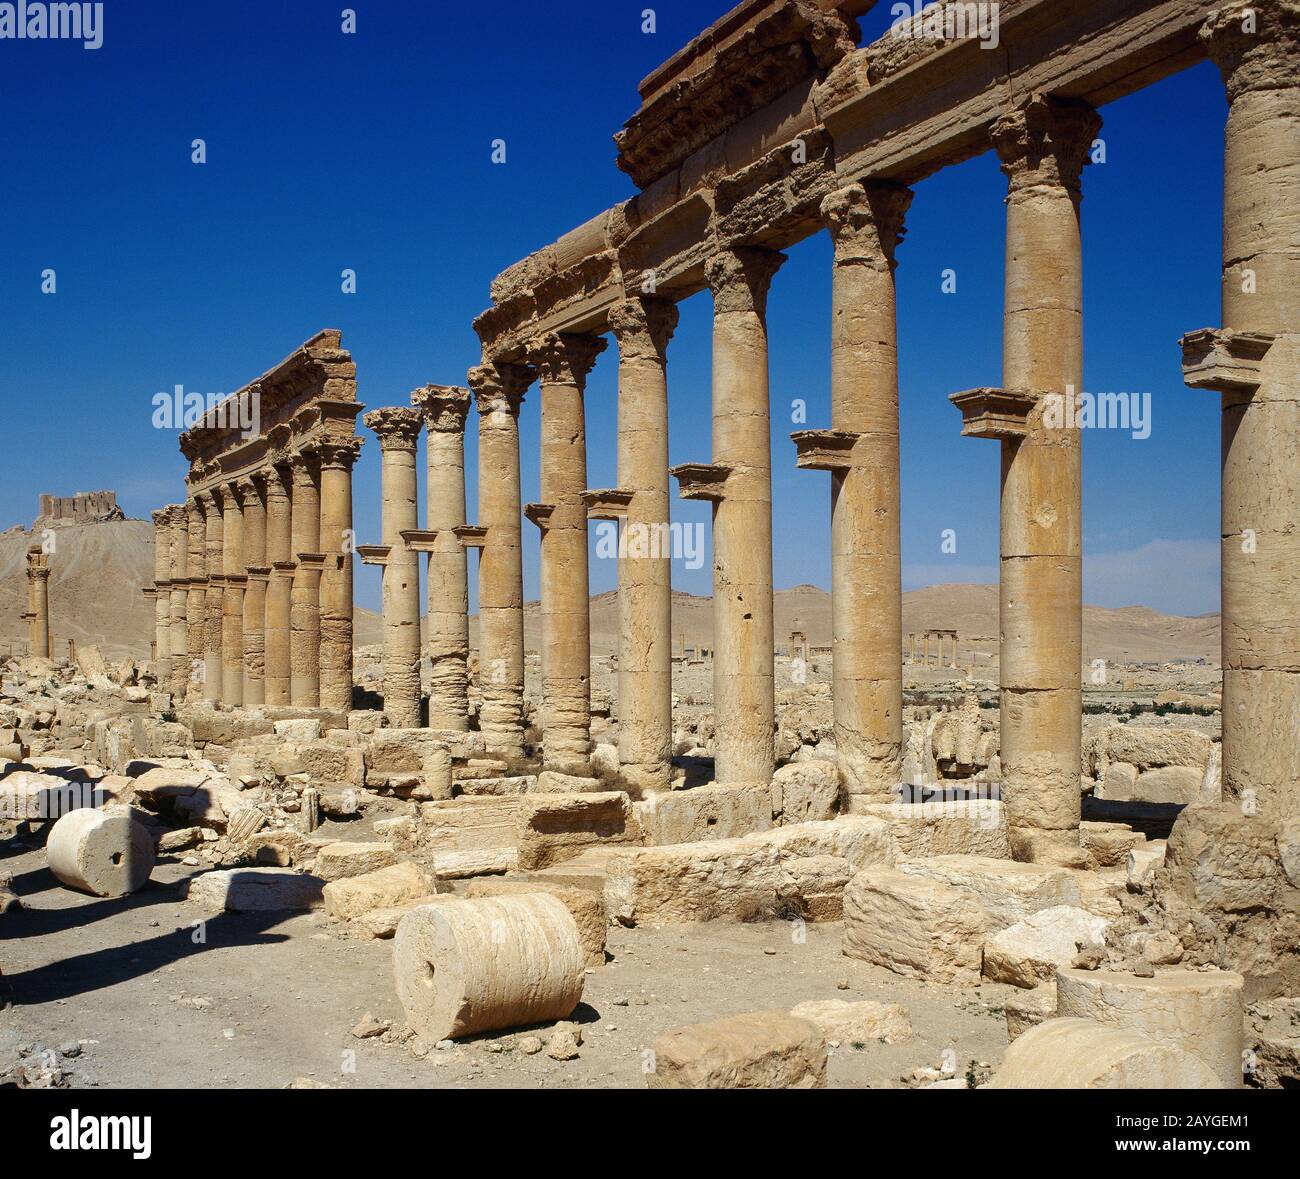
(304, 614)
(643, 328)
(257, 573)
(232, 598)
(398, 430)
(1043, 148)
(444, 408)
(212, 672)
(563, 361)
(39, 642)
(196, 601)
(498, 394)
(866, 224)
(1257, 48)
(178, 641)
(744, 694)
(162, 611)
(279, 591)
(337, 458)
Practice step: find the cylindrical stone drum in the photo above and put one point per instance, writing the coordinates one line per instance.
(106, 853)
(479, 965)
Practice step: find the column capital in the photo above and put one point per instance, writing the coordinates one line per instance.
(1046, 141)
(398, 428)
(162, 517)
(500, 387)
(230, 497)
(1255, 44)
(643, 327)
(246, 486)
(740, 278)
(339, 454)
(278, 481)
(210, 501)
(866, 221)
(444, 407)
(564, 358)
(304, 465)
(178, 514)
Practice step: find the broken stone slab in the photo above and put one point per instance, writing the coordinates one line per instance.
(1008, 890)
(1149, 746)
(1027, 1009)
(916, 926)
(1272, 1055)
(505, 786)
(1142, 862)
(778, 874)
(107, 854)
(335, 861)
(1201, 1012)
(256, 890)
(1027, 954)
(1083, 1054)
(299, 729)
(554, 782)
(459, 865)
(382, 923)
(1101, 890)
(806, 791)
(556, 827)
(757, 1050)
(705, 812)
(485, 964)
(857, 1023)
(392, 885)
(586, 907)
(1108, 844)
(975, 827)
(1163, 784)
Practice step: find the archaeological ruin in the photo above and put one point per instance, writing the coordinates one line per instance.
(530, 836)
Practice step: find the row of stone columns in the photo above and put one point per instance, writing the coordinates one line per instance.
(254, 585)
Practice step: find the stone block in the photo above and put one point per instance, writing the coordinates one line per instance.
(335, 861)
(857, 1023)
(1108, 844)
(1008, 890)
(256, 890)
(1027, 954)
(1027, 1009)
(974, 827)
(758, 1050)
(704, 812)
(393, 885)
(556, 827)
(806, 791)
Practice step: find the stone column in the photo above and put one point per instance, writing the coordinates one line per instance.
(498, 394)
(232, 598)
(337, 458)
(304, 613)
(1260, 62)
(196, 601)
(643, 328)
(257, 573)
(866, 224)
(744, 698)
(398, 430)
(1043, 147)
(162, 611)
(444, 408)
(178, 643)
(563, 361)
(39, 642)
(212, 671)
(279, 590)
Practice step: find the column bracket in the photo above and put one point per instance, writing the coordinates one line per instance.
(539, 514)
(700, 480)
(607, 503)
(471, 536)
(823, 450)
(994, 413)
(1223, 360)
(374, 554)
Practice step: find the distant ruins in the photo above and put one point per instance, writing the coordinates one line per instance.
(86, 507)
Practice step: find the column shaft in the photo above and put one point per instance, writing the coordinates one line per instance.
(191, 657)
(232, 598)
(212, 670)
(279, 590)
(255, 569)
(162, 619)
(304, 613)
(178, 637)
(338, 544)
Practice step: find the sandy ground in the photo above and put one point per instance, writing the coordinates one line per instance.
(263, 999)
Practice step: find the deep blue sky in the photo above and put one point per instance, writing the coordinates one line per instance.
(372, 152)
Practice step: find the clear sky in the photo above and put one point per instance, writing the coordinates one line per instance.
(372, 151)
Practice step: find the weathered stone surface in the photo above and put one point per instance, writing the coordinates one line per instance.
(1108, 844)
(1027, 1009)
(554, 782)
(382, 923)
(851, 1023)
(777, 874)
(1178, 784)
(556, 827)
(1148, 746)
(256, 890)
(1083, 1054)
(1027, 954)
(758, 1050)
(1141, 863)
(393, 885)
(976, 827)
(107, 854)
(1200, 1012)
(1272, 1056)
(705, 812)
(1008, 890)
(334, 861)
(806, 791)
(586, 907)
(915, 926)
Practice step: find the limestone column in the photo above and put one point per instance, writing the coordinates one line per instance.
(643, 328)
(39, 642)
(445, 408)
(162, 614)
(866, 224)
(1259, 59)
(744, 697)
(279, 590)
(178, 644)
(232, 598)
(304, 613)
(1042, 147)
(258, 574)
(212, 650)
(563, 361)
(338, 543)
(196, 600)
(498, 394)
(398, 430)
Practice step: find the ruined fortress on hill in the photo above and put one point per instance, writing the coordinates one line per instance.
(952, 847)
